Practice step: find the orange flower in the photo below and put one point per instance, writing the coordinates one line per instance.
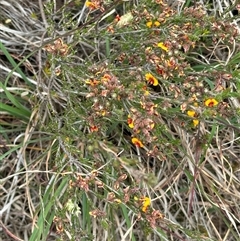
(93, 128)
(106, 77)
(91, 5)
(137, 142)
(110, 29)
(144, 88)
(211, 102)
(130, 122)
(162, 46)
(151, 79)
(117, 18)
(92, 82)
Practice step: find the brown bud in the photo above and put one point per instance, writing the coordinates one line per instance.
(122, 177)
(94, 173)
(99, 184)
(116, 185)
(111, 196)
(126, 190)
(59, 228)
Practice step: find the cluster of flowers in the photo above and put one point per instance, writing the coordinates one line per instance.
(95, 4)
(211, 102)
(130, 196)
(165, 49)
(143, 124)
(58, 48)
(104, 88)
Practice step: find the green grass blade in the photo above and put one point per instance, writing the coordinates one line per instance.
(128, 221)
(15, 102)
(9, 152)
(13, 63)
(47, 211)
(14, 111)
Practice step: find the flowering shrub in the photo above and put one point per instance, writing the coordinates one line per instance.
(127, 108)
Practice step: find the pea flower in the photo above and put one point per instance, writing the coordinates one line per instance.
(149, 24)
(195, 122)
(93, 128)
(137, 142)
(91, 5)
(162, 46)
(151, 79)
(146, 203)
(146, 92)
(93, 82)
(191, 113)
(211, 102)
(130, 122)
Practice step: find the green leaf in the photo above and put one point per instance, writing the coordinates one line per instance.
(19, 111)
(47, 212)
(14, 64)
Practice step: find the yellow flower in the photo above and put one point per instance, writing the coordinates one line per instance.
(195, 122)
(130, 122)
(137, 142)
(162, 46)
(156, 23)
(146, 202)
(149, 24)
(91, 5)
(151, 79)
(211, 102)
(151, 125)
(191, 113)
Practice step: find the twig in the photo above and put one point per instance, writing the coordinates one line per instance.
(9, 233)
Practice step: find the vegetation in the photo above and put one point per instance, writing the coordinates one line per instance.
(119, 120)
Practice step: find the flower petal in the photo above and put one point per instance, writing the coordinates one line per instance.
(146, 203)
(151, 79)
(195, 122)
(211, 102)
(162, 46)
(191, 113)
(137, 142)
